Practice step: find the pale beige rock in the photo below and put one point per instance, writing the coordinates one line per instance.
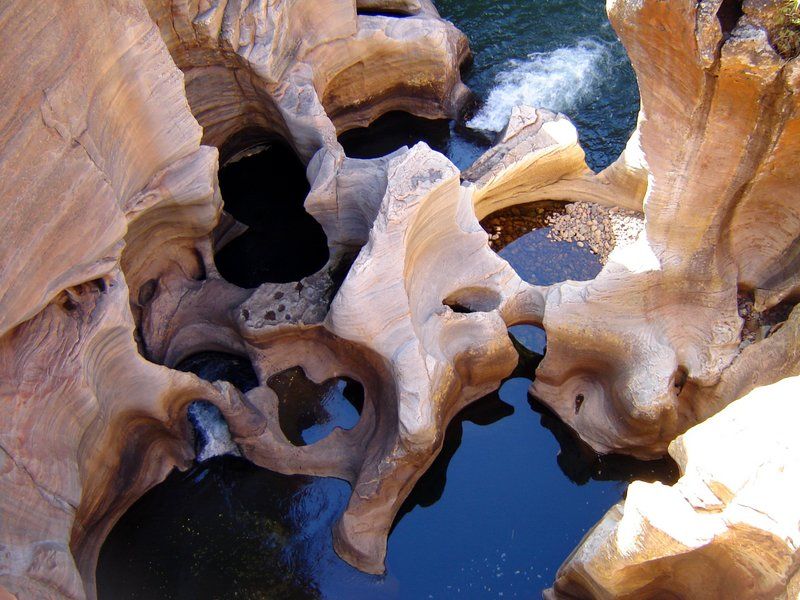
(111, 215)
(538, 157)
(729, 528)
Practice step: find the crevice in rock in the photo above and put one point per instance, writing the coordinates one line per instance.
(761, 325)
(679, 379)
(264, 186)
(729, 13)
(213, 365)
(308, 412)
(396, 14)
(212, 435)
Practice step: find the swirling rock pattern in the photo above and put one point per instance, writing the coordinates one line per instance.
(111, 216)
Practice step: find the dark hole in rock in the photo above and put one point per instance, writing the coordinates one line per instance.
(367, 12)
(530, 337)
(221, 366)
(68, 304)
(578, 402)
(308, 412)
(472, 300)
(391, 132)
(728, 14)
(679, 379)
(519, 234)
(266, 191)
(147, 291)
(212, 436)
(760, 325)
(201, 273)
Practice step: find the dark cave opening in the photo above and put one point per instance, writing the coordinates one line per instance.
(211, 434)
(265, 188)
(395, 14)
(728, 14)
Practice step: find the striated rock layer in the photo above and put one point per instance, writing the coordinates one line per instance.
(111, 218)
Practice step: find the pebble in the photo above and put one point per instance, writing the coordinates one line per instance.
(598, 227)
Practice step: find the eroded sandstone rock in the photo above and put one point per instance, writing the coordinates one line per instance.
(633, 355)
(111, 216)
(727, 529)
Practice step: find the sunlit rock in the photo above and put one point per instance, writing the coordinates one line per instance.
(727, 529)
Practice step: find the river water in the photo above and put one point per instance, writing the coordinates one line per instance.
(512, 492)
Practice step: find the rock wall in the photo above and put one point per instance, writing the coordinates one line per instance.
(634, 356)
(109, 210)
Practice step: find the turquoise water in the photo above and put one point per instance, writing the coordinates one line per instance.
(560, 54)
(512, 492)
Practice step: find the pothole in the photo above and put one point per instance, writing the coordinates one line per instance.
(308, 412)
(265, 188)
(760, 325)
(472, 300)
(391, 132)
(523, 236)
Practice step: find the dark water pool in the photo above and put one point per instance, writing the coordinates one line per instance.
(266, 191)
(508, 498)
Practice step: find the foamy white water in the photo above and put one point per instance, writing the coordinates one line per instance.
(557, 80)
(211, 429)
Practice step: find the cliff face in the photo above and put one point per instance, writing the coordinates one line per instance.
(96, 134)
(111, 217)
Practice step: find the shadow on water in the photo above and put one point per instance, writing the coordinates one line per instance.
(266, 191)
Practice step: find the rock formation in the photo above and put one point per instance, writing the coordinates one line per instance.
(659, 328)
(727, 529)
(112, 216)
